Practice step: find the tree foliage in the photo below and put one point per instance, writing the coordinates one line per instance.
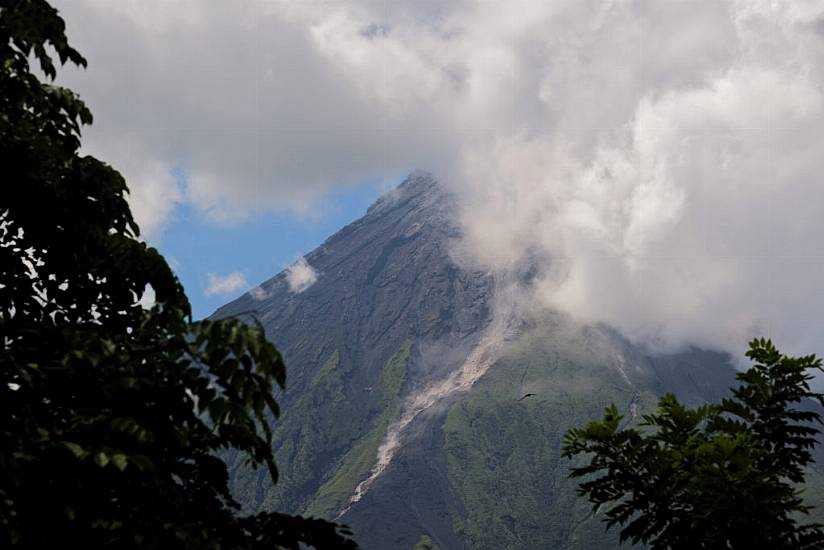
(113, 415)
(724, 475)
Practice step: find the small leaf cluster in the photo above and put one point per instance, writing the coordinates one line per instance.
(724, 475)
(112, 416)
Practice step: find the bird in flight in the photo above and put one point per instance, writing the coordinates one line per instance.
(525, 396)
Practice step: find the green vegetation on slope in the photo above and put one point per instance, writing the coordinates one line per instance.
(503, 452)
(813, 493)
(503, 449)
(361, 457)
(323, 423)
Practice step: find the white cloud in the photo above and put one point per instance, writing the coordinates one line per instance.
(244, 98)
(661, 160)
(224, 285)
(692, 219)
(300, 276)
(259, 293)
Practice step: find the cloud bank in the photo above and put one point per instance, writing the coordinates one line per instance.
(659, 161)
(218, 285)
(300, 276)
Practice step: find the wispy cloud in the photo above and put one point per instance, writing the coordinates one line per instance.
(300, 276)
(217, 285)
(258, 293)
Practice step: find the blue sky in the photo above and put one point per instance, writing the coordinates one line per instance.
(257, 248)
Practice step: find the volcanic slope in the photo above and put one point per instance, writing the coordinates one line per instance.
(405, 413)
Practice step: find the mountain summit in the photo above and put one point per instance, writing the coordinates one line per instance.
(422, 407)
(389, 313)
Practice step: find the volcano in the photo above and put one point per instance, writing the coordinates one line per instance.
(425, 408)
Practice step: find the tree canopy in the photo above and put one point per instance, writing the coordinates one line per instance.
(113, 415)
(724, 475)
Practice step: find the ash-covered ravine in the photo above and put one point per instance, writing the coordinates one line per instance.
(502, 329)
